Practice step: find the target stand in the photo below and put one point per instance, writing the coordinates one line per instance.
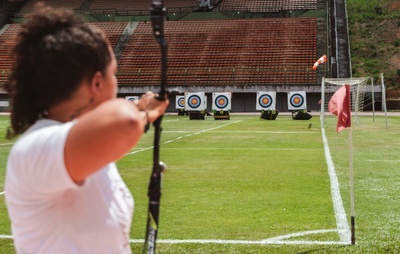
(221, 115)
(301, 115)
(269, 114)
(181, 112)
(197, 115)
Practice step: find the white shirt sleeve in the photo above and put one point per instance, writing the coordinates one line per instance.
(37, 159)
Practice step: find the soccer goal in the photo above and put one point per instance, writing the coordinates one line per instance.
(363, 98)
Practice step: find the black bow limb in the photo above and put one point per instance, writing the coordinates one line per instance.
(158, 16)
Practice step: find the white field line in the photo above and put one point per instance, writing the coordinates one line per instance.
(260, 132)
(2, 193)
(180, 137)
(340, 214)
(388, 161)
(279, 240)
(242, 148)
(213, 129)
(341, 221)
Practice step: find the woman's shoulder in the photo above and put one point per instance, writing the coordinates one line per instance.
(46, 123)
(42, 133)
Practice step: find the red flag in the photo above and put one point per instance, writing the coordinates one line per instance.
(321, 60)
(339, 105)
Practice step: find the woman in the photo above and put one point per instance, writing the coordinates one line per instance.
(63, 191)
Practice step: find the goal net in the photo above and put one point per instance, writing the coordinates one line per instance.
(363, 98)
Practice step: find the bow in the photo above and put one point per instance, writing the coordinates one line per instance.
(158, 16)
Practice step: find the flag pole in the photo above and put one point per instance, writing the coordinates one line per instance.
(322, 118)
(340, 105)
(384, 99)
(352, 213)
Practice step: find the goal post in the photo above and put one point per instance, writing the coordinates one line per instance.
(362, 94)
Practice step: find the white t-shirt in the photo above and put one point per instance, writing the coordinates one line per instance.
(49, 212)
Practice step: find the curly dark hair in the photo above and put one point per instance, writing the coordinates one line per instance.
(54, 52)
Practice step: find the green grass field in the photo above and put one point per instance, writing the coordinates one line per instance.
(255, 186)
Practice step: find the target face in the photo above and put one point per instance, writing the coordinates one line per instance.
(266, 100)
(132, 98)
(195, 101)
(221, 101)
(297, 100)
(180, 102)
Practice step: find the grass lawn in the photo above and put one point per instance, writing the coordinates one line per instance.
(249, 185)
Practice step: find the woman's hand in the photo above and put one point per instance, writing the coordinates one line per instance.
(154, 107)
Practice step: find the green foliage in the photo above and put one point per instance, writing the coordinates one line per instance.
(359, 10)
(373, 25)
(397, 43)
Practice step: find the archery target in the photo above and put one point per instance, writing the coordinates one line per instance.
(180, 102)
(221, 101)
(132, 98)
(195, 101)
(266, 100)
(297, 100)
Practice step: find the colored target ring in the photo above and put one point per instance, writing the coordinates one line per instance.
(296, 100)
(181, 102)
(221, 101)
(194, 101)
(265, 100)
